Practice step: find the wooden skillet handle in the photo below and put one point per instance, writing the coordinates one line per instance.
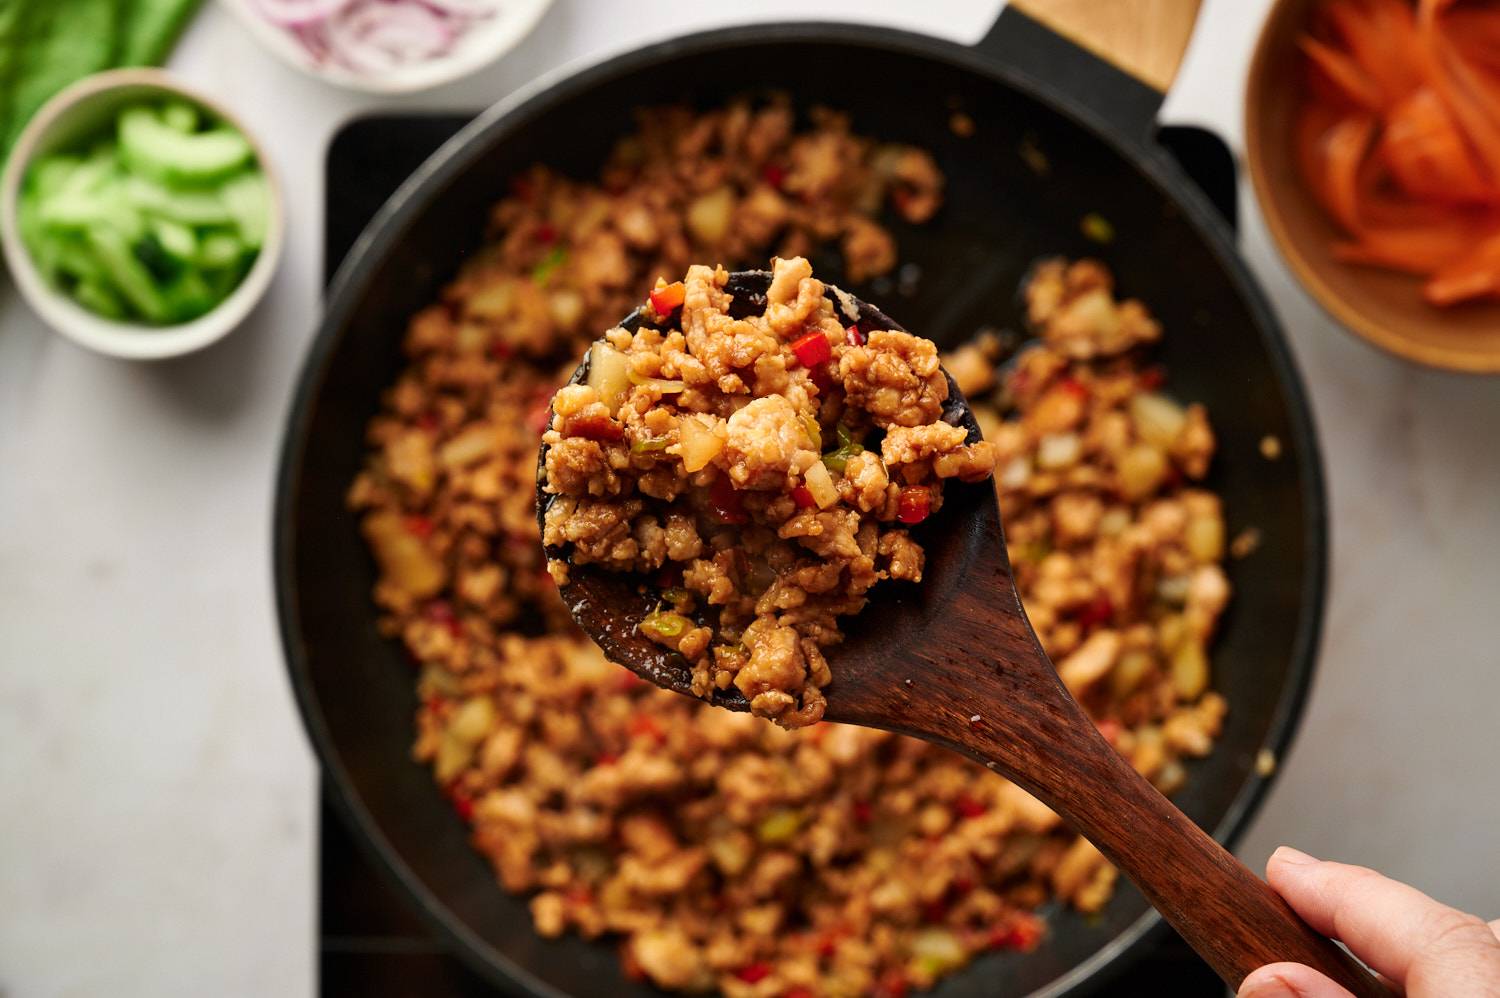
(1145, 38)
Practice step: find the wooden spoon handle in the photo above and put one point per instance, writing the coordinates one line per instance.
(1231, 917)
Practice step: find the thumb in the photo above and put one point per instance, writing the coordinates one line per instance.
(1289, 980)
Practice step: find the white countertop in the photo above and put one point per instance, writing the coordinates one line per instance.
(157, 794)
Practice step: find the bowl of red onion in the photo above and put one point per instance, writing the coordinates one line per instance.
(389, 46)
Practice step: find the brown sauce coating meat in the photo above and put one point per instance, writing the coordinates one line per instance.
(719, 449)
(719, 851)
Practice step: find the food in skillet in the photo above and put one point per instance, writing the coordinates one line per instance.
(1399, 138)
(719, 851)
(767, 467)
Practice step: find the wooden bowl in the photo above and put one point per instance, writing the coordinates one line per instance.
(1383, 307)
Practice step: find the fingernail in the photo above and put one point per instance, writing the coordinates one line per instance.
(1268, 986)
(1286, 854)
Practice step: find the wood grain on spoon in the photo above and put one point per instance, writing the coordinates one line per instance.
(954, 661)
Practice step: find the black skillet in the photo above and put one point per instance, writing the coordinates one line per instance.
(1170, 249)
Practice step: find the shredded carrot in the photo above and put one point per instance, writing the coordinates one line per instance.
(1346, 75)
(1426, 153)
(1473, 275)
(1399, 138)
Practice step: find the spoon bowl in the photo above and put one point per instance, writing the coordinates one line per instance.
(955, 661)
(609, 605)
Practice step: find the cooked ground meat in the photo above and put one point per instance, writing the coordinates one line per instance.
(717, 850)
(739, 434)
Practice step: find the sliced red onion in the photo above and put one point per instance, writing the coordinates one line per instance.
(296, 13)
(375, 37)
(464, 8)
(313, 38)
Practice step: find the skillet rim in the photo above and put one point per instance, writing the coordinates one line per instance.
(415, 195)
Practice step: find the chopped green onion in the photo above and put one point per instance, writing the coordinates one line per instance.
(661, 625)
(647, 445)
(556, 257)
(814, 431)
(838, 460)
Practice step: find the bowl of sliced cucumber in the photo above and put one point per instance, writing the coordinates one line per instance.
(138, 217)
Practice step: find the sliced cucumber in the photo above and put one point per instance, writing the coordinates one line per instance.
(151, 146)
(89, 211)
(190, 296)
(128, 275)
(47, 175)
(180, 116)
(218, 250)
(176, 239)
(99, 299)
(187, 207)
(249, 200)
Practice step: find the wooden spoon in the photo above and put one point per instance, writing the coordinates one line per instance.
(954, 661)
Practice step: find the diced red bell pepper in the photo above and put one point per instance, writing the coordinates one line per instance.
(854, 337)
(774, 174)
(600, 428)
(546, 233)
(1074, 387)
(864, 813)
(726, 501)
(963, 886)
(500, 350)
(630, 681)
(1023, 933)
(803, 497)
(914, 504)
(646, 726)
(665, 300)
(606, 759)
(464, 805)
(1152, 378)
(418, 526)
(1098, 611)
(753, 973)
(798, 992)
(967, 807)
(427, 421)
(935, 912)
(440, 611)
(812, 349)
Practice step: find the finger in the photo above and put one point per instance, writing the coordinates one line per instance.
(1289, 980)
(1394, 928)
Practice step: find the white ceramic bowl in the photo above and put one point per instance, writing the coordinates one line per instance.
(481, 45)
(74, 113)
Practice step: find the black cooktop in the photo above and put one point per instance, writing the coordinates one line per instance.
(371, 942)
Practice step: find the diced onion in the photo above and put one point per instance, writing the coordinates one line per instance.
(820, 484)
(609, 374)
(1059, 450)
(1157, 418)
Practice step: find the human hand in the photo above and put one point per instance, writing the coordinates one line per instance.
(1427, 948)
